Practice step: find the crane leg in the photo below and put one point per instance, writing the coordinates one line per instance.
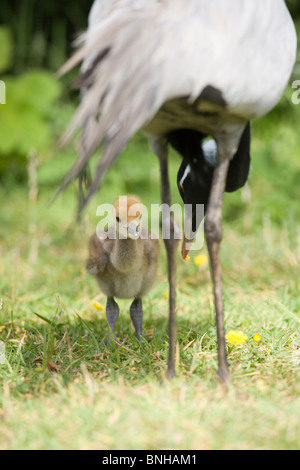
(213, 233)
(160, 147)
(136, 315)
(170, 249)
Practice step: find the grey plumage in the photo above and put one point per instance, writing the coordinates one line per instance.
(123, 268)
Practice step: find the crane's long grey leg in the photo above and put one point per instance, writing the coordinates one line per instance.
(112, 313)
(213, 233)
(160, 147)
(136, 315)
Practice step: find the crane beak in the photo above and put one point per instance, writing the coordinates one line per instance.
(189, 235)
(185, 248)
(193, 216)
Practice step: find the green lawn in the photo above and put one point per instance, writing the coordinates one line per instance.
(60, 389)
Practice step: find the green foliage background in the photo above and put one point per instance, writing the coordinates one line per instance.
(36, 38)
(116, 398)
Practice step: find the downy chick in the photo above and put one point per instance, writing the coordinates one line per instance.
(124, 260)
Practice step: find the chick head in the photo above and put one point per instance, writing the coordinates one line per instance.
(128, 213)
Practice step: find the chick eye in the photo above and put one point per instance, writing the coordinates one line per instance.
(118, 219)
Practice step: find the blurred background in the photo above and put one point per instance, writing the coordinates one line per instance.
(35, 40)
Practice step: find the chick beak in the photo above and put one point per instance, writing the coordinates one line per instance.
(133, 231)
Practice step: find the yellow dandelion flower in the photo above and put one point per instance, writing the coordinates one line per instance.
(98, 306)
(257, 338)
(236, 337)
(166, 294)
(201, 260)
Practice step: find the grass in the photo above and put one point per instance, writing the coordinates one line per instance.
(60, 390)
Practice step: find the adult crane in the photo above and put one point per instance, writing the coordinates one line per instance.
(180, 71)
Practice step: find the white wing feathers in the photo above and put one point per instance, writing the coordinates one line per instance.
(138, 54)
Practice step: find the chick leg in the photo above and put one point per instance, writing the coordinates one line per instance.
(136, 315)
(112, 313)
